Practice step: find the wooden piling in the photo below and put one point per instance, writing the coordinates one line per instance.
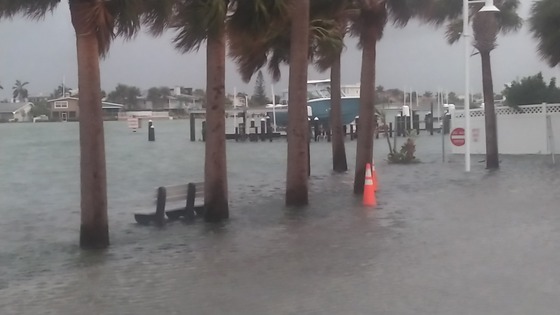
(151, 131)
(204, 130)
(192, 127)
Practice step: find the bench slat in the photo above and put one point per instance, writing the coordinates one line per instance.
(182, 189)
(176, 190)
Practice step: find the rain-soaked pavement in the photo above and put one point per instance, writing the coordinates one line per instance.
(441, 241)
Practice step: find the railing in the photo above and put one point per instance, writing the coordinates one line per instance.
(521, 110)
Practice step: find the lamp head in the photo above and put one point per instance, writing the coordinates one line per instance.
(489, 7)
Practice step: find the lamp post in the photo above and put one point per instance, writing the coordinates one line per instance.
(488, 7)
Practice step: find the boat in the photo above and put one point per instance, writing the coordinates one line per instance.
(319, 105)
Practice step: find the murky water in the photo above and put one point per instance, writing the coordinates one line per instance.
(441, 241)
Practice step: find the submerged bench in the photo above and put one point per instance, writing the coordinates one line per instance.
(192, 193)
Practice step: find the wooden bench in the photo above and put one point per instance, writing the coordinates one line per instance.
(192, 193)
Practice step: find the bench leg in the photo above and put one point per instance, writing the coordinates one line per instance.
(160, 207)
(189, 207)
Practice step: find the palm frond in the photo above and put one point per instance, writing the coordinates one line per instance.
(196, 20)
(485, 27)
(157, 15)
(126, 16)
(545, 26)
(370, 21)
(34, 9)
(438, 12)
(508, 19)
(454, 31)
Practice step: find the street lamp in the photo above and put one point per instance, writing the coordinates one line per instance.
(488, 7)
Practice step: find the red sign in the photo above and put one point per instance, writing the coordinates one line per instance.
(458, 137)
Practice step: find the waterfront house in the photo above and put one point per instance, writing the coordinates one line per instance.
(66, 109)
(15, 112)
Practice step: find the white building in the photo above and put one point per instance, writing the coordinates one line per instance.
(15, 112)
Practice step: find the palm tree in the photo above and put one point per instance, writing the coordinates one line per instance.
(272, 33)
(298, 135)
(329, 57)
(96, 24)
(20, 93)
(545, 15)
(197, 22)
(367, 25)
(486, 26)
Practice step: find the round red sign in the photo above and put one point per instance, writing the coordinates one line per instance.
(458, 137)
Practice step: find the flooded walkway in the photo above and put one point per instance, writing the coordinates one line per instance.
(441, 242)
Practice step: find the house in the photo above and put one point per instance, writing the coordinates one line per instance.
(176, 102)
(66, 109)
(15, 112)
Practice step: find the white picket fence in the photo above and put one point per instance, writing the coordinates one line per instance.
(533, 129)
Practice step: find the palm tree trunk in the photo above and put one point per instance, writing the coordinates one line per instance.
(338, 150)
(364, 150)
(492, 161)
(94, 229)
(298, 135)
(215, 162)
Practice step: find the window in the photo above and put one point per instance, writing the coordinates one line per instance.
(61, 104)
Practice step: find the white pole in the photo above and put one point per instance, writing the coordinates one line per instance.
(235, 100)
(273, 107)
(410, 111)
(63, 88)
(439, 108)
(467, 87)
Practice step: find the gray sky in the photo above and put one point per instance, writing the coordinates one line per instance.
(415, 57)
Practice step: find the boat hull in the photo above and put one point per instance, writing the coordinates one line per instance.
(321, 108)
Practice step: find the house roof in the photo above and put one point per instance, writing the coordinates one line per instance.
(104, 104)
(63, 99)
(12, 107)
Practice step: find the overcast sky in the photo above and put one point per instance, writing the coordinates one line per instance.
(416, 57)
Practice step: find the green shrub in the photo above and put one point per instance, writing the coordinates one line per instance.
(405, 155)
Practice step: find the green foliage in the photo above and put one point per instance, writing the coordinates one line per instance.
(259, 35)
(531, 90)
(259, 97)
(545, 15)
(405, 155)
(158, 96)
(40, 108)
(19, 90)
(196, 20)
(126, 95)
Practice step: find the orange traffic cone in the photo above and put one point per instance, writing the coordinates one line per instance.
(374, 175)
(369, 189)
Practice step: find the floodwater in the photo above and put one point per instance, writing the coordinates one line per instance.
(441, 241)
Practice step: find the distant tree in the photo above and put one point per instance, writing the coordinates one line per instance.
(158, 96)
(59, 91)
(1, 87)
(126, 95)
(395, 92)
(454, 99)
(259, 96)
(201, 95)
(428, 94)
(19, 91)
(39, 108)
(379, 89)
(531, 90)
